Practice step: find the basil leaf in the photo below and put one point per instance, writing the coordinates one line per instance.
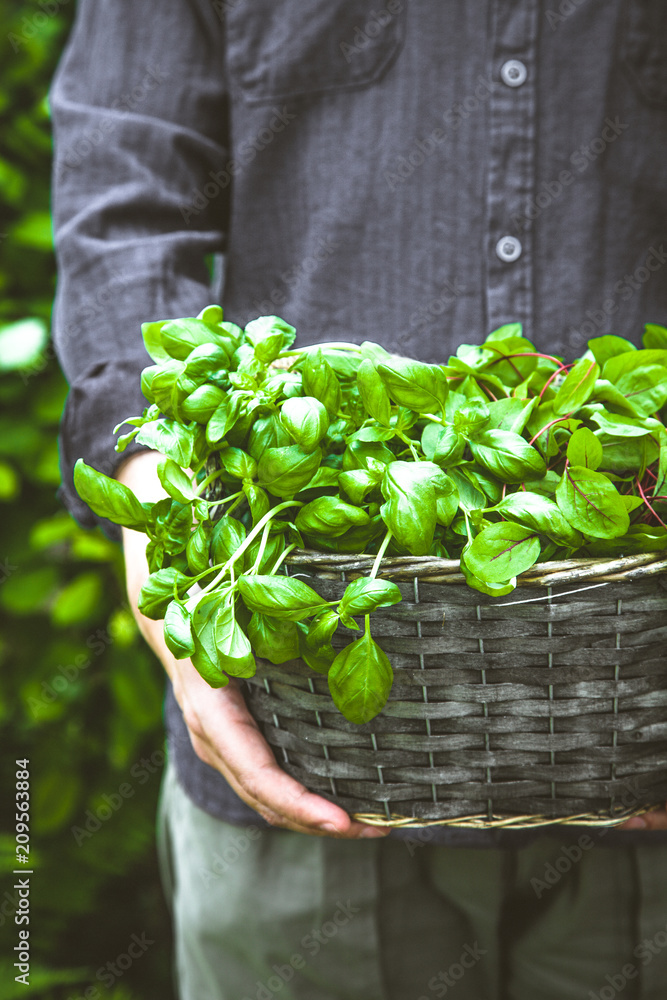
(645, 388)
(197, 548)
(258, 502)
(275, 546)
(180, 336)
(201, 404)
(170, 438)
(267, 432)
(606, 392)
(443, 445)
(541, 514)
(584, 448)
(357, 483)
(274, 640)
(470, 496)
(604, 348)
(502, 551)
(373, 393)
(482, 585)
(177, 631)
(206, 658)
(306, 420)
(175, 481)
(620, 426)
(410, 509)
(360, 680)
(625, 455)
(320, 654)
(109, 498)
(223, 418)
(620, 365)
(416, 385)
(285, 471)
(363, 596)
(655, 336)
(329, 516)
(232, 644)
(577, 387)
(172, 524)
(510, 414)
(153, 341)
(471, 417)
(237, 463)
(591, 503)
(227, 536)
(281, 597)
(369, 455)
(269, 335)
(158, 591)
(320, 381)
(507, 456)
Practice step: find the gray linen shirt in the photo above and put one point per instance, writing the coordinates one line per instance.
(416, 174)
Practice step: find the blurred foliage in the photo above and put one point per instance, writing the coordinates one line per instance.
(80, 693)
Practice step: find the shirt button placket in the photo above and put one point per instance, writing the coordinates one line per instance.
(511, 166)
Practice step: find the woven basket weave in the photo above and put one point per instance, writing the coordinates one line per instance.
(547, 705)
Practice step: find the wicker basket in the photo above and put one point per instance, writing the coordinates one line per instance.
(547, 705)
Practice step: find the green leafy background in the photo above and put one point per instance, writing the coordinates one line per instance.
(86, 728)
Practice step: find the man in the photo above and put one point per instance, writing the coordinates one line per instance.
(416, 175)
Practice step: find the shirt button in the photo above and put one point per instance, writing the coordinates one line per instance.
(508, 248)
(513, 73)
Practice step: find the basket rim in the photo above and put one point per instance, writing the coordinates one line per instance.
(437, 570)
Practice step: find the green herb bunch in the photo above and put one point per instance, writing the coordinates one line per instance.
(503, 456)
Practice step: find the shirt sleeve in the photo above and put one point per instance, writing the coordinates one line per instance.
(140, 120)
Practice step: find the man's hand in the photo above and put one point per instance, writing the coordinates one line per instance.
(654, 820)
(222, 731)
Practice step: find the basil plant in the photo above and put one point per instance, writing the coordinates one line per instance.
(499, 458)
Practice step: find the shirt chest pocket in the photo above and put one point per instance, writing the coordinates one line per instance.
(644, 48)
(279, 49)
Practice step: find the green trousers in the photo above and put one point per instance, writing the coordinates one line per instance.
(260, 914)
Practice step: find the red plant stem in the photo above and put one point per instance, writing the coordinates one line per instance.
(548, 381)
(547, 426)
(644, 498)
(526, 354)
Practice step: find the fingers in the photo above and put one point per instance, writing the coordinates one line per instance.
(654, 820)
(228, 738)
